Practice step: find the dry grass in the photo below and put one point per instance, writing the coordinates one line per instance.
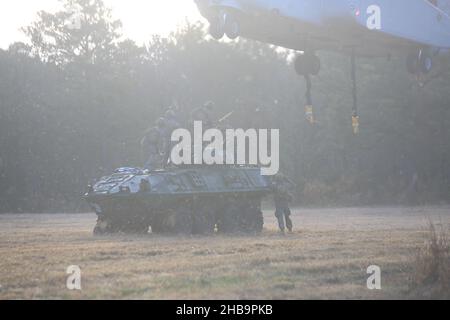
(326, 257)
(431, 277)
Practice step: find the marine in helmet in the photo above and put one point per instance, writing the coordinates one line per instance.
(169, 124)
(282, 186)
(204, 114)
(151, 147)
(171, 119)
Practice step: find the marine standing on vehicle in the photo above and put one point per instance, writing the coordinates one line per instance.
(169, 125)
(151, 146)
(204, 114)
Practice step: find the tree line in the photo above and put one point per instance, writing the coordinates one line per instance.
(75, 103)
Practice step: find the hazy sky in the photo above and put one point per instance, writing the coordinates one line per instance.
(140, 18)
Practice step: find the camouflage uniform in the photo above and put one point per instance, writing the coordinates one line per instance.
(282, 198)
(169, 125)
(203, 114)
(150, 145)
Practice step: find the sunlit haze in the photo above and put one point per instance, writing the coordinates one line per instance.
(140, 18)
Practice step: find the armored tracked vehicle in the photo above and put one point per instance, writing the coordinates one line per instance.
(194, 200)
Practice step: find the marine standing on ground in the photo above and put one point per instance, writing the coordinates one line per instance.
(282, 197)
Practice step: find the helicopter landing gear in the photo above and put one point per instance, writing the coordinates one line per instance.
(216, 29)
(419, 62)
(232, 27)
(307, 65)
(225, 23)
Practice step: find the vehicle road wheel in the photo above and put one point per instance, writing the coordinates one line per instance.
(229, 221)
(426, 63)
(106, 226)
(137, 226)
(203, 220)
(256, 221)
(101, 228)
(179, 221)
(252, 218)
(314, 65)
(157, 225)
(412, 63)
(183, 222)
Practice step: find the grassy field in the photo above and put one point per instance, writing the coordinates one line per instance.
(326, 257)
